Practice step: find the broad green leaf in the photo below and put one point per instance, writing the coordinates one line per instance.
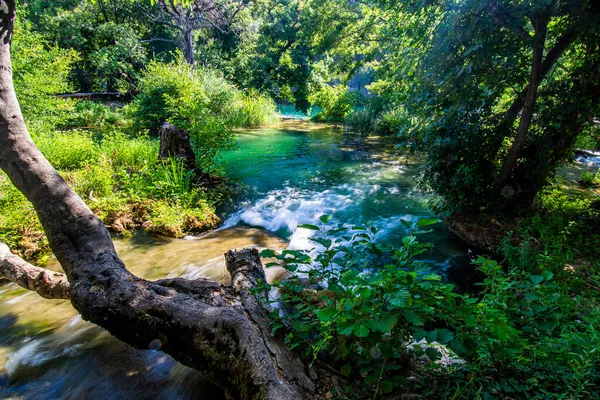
(432, 336)
(385, 324)
(433, 354)
(423, 222)
(335, 288)
(326, 314)
(387, 386)
(536, 279)
(346, 370)
(547, 275)
(413, 318)
(267, 253)
(365, 293)
(309, 226)
(432, 277)
(360, 330)
(345, 329)
(445, 336)
(530, 297)
(325, 218)
(419, 335)
(400, 299)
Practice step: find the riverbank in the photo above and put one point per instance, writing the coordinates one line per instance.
(564, 223)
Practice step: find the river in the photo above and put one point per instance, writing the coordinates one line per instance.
(289, 175)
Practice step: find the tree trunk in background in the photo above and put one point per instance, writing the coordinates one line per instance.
(511, 159)
(188, 45)
(176, 143)
(222, 331)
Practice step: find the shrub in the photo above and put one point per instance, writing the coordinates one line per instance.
(20, 228)
(93, 114)
(40, 72)
(361, 121)
(96, 180)
(391, 123)
(588, 179)
(252, 110)
(336, 102)
(367, 121)
(202, 102)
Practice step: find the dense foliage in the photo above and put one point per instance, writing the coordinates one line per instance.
(389, 324)
(203, 103)
(499, 93)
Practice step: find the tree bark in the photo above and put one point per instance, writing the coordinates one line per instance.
(562, 44)
(222, 331)
(176, 143)
(187, 45)
(530, 100)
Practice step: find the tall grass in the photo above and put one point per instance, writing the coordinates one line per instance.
(252, 110)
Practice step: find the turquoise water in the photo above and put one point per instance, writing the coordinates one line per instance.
(298, 172)
(289, 111)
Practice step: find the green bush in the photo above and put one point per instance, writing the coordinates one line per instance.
(361, 121)
(167, 89)
(588, 179)
(40, 72)
(68, 150)
(376, 313)
(202, 102)
(391, 123)
(371, 121)
(252, 110)
(97, 180)
(336, 102)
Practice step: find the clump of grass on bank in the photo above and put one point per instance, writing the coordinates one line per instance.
(121, 179)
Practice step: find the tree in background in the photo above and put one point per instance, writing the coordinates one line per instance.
(502, 89)
(187, 18)
(304, 44)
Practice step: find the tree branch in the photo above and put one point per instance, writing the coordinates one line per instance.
(46, 283)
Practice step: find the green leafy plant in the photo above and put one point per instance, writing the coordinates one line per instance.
(375, 312)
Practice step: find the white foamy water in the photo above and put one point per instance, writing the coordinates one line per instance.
(287, 208)
(67, 342)
(591, 159)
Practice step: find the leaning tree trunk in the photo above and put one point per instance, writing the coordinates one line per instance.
(176, 143)
(222, 331)
(514, 153)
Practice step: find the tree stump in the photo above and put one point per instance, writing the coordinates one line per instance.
(176, 143)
